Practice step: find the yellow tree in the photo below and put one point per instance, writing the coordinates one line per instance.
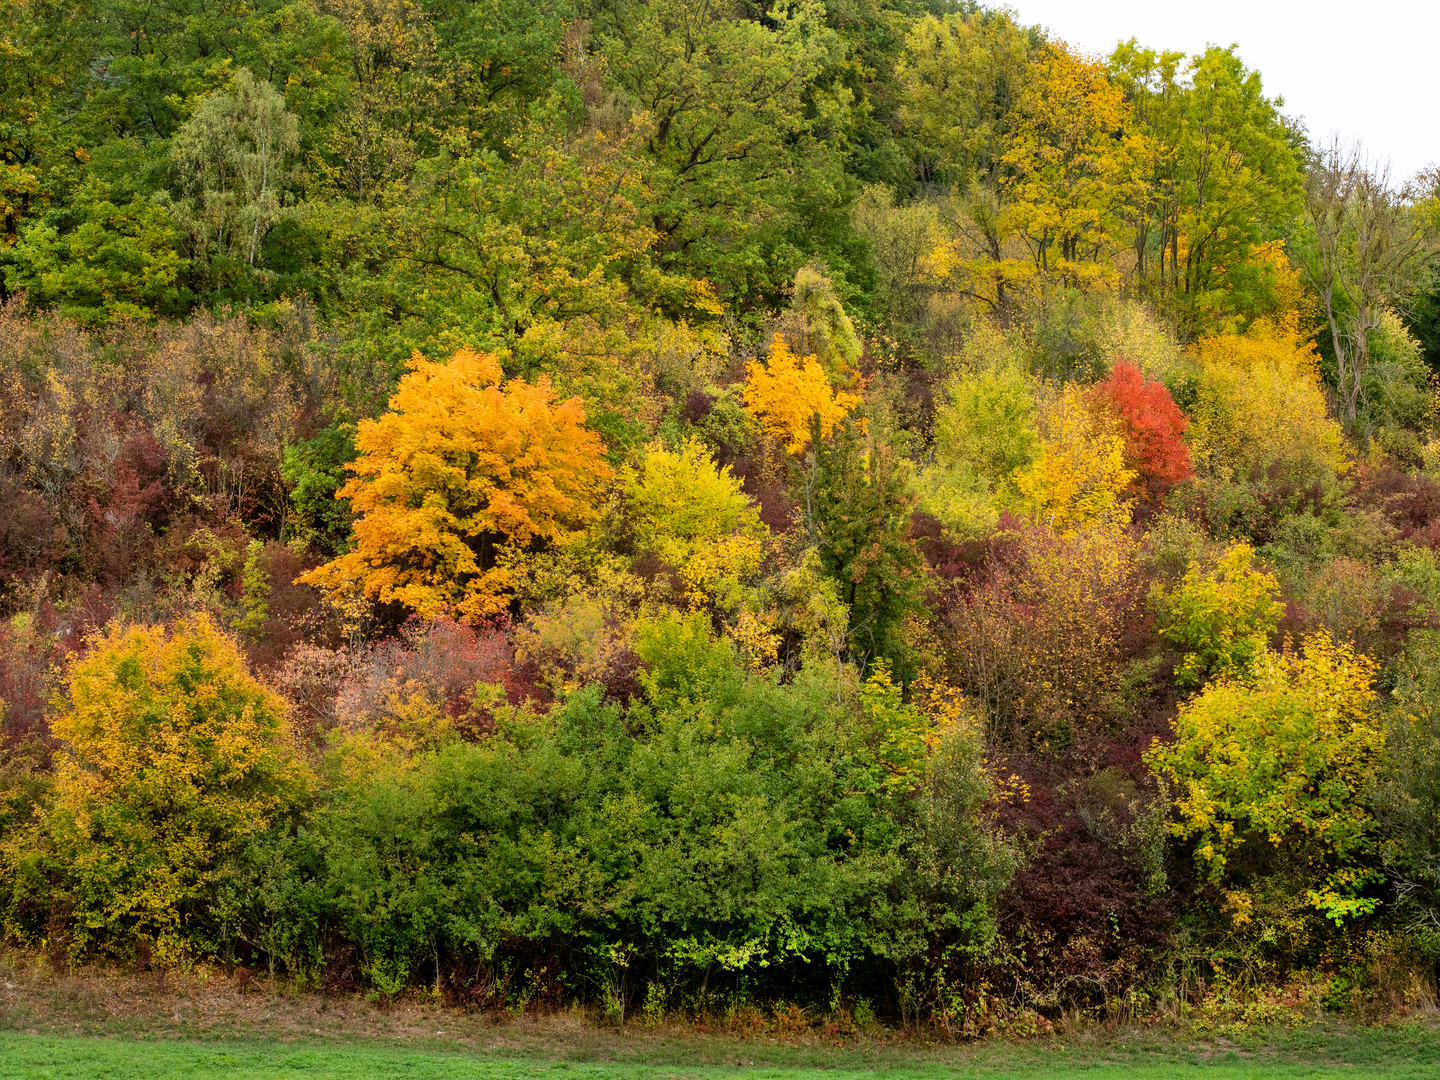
(172, 756)
(1290, 749)
(1073, 167)
(1260, 409)
(1079, 475)
(461, 465)
(788, 391)
(697, 518)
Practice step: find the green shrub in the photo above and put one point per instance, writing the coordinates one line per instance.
(741, 831)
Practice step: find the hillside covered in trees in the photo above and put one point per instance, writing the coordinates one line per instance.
(689, 504)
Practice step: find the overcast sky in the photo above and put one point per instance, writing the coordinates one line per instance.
(1366, 69)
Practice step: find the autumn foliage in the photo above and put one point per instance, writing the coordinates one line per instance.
(1283, 756)
(838, 545)
(172, 755)
(788, 390)
(1153, 427)
(461, 464)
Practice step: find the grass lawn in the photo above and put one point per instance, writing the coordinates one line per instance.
(184, 1026)
(1392, 1055)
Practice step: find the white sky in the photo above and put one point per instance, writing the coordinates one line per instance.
(1362, 69)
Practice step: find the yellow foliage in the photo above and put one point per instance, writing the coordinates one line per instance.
(172, 754)
(1220, 620)
(1079, 474)
(1074, 161)
(785, 394)
(680, 502)
(696, 517)
(900, 733)
(1291, 748)
(1260, 404)
(574, 641)
(458, 467)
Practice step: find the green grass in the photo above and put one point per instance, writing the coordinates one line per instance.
(1391, 1055)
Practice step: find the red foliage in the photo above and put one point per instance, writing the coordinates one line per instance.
(124, 516)
(443, 659)
(968, 560)
(1079, 910)
(1153, 425)
(777, 509)
(31, 537)
(28, 662)
(1411, 503)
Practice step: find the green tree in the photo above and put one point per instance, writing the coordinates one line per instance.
(314, 471)
(1222, 186)
(1407, 798)
(1364, 255)
(744, 176)
(857, 505)
(45, 48)
(961, 77)
(985, 434)
(231, 155)
(816, 324)
(103, 255)
(696, 517)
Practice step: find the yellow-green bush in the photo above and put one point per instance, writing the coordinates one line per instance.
(172, 756)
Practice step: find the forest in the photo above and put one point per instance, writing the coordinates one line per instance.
(675, 507)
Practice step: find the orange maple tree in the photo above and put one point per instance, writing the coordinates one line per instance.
(462, 464)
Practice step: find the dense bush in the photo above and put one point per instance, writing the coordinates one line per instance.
(170, 756)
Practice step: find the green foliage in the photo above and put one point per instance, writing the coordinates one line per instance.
(738, 832)
(859, 518)
(680, 503)
(683, 659)
(231, 155)
(254, 591)
(745, 175)
(1407, 800)
(960, 77)
(1220, 620)
(1224, 178)
(988, 424)
(96, 260)
(816, 324)
(696, 518)
(1396, 392)
(787, 272)
(314, 470)
(985, 432)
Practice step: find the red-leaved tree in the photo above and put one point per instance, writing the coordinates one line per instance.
(1152, 425)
